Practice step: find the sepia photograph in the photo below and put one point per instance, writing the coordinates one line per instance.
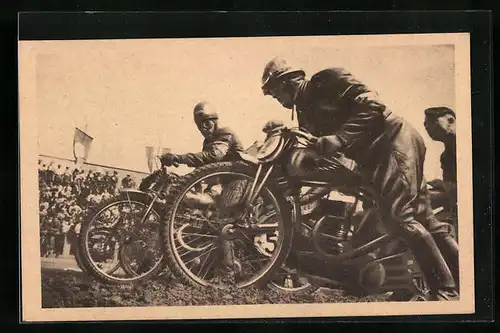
(248, 177)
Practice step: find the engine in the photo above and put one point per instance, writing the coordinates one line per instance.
(327, 227)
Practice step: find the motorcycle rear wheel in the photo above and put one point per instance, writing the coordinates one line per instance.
(170, 235)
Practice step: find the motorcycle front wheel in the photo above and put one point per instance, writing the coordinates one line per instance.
(114, 248)
(227, 245)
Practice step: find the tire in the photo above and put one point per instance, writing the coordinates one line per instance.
(307, 288)
(175, 198)
(83, 257)
(78, 257)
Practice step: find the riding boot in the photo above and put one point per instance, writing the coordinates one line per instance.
(434, 267)
(449, 248)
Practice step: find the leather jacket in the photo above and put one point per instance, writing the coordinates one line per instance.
(224, 145)
(333, 102)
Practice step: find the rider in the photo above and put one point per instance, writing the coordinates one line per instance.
(220, 144)
(347, 117)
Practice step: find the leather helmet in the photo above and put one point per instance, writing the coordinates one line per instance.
(275, 69)
(204, 111)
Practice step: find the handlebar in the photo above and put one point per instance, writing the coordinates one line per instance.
(313, 140)
(164, 167)
(304, 134)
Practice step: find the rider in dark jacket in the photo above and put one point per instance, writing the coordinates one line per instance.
(347, 117)
(220, 144)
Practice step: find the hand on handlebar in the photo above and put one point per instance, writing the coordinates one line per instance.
(328, 145)
(325, 145)
(170, 160)
(305, 134)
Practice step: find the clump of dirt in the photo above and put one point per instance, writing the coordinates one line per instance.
(63, 289)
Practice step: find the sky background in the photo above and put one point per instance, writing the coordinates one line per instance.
(133, 93)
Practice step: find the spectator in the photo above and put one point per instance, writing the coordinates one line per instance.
(58, 174)
(128, 182)
(75, 173)
(79, 180)
(50, 174)
(42, 170)
(67, 177)
(89, 177)
(107, 181)
(106, 195)
(114, 179)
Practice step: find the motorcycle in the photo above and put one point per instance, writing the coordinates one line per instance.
(118, 241)
(260, 231)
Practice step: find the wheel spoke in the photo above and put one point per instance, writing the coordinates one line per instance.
(208, 251)
(192, 240)
(210, 265)
(202, 265)
(201, 235)
(257, 260)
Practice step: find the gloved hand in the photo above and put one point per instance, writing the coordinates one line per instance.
(436, 185)
(328, 145)
(170, 159)
(272, 125)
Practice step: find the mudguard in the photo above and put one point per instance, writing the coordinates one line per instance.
(248, 158)
(133, 193)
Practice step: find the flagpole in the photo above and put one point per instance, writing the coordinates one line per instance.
(158, 140)
(86, 124)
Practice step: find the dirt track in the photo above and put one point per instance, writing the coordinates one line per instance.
(72, 289)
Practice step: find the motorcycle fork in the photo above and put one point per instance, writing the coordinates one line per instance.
(257, 185)
(150, 206)
(149, 209)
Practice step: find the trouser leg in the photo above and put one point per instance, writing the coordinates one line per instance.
(398, 179)
(443, 235)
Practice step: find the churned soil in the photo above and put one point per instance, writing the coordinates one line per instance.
(68, 289)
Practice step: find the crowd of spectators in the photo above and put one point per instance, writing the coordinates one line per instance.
(65, 194)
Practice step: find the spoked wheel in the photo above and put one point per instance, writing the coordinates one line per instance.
(119, 244)
(229, 245)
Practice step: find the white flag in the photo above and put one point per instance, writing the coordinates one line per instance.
(151, 153)
(81, 146)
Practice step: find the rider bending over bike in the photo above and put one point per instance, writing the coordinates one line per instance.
(347, 117)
